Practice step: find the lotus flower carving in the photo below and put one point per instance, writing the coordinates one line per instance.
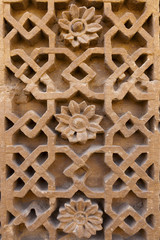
(78, 122)
(81, 218)
(80, 25)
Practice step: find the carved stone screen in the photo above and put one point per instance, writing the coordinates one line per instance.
(80, 92)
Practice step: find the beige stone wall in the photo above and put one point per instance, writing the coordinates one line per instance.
(79, 112)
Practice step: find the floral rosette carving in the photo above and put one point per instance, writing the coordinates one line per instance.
(80, 25)
(81, 218)
(78, 122)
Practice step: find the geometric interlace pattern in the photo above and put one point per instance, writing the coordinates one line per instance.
(80, 125)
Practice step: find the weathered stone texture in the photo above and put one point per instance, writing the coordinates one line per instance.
(79, 112)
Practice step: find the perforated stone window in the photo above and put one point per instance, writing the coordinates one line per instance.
(80, 119)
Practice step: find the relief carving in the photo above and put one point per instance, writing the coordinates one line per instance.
(80, 120)
(82, 218)
(80, 25)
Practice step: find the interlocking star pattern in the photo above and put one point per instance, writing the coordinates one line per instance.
(113, 168)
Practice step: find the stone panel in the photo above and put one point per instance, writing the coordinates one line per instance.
(80, 119)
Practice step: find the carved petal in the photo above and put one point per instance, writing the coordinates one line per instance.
(69, 209)
(95, 220)
(87, 234)
(84, 39)
(83, 105)
(98, 213)
(67, 132)
(96, 119)
(74, 107)
(95, 128)
(89, 13)
(63, 118)
(82, 137)
(79, 231)
(64, 23)
(89, 111)
(97, 18)
(70, 227)
(90, 228)
(73, 203)
(72, 139)
(62, 225)
(93, 36)
(98, 227)
(66, 15)
(91, 135)
(92, 209)
(74, 11)
(63, 211)
(80, 205)
(61, 127)
(75, 43)
(68, 36)
(81, 11)
(65, 218)
(93, 27)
